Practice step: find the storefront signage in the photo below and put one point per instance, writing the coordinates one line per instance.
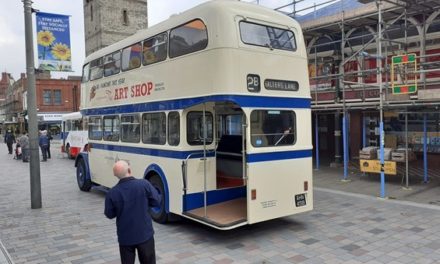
(373, 166)
(49, 117)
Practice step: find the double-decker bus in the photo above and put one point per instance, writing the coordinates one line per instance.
(74, 134)
(212, 106)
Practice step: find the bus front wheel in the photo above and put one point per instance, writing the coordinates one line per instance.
(159, 213)
(84, 183)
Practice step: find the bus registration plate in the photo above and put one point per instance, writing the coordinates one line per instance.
(300, 200)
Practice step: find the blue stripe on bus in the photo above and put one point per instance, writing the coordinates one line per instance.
(242, 100)
(282, 155)
(150, 152)
(196, 200)
(174, 154)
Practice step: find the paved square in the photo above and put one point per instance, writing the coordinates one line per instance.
(343, 228)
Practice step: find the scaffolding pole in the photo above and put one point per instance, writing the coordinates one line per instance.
(379, 76)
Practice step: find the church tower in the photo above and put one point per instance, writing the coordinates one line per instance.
(108, 21)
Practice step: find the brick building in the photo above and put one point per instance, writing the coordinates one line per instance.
(5, 82)
(54, 98)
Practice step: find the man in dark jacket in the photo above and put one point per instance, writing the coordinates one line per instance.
(43, 142)
(9, 140)
(129, 201)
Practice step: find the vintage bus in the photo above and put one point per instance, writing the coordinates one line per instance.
(212, 106)
(74, 134)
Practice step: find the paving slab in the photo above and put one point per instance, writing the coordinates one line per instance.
(344, 227)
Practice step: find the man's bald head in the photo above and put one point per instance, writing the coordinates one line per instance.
(121, 169)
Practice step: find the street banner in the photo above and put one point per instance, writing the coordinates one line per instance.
(53, 39)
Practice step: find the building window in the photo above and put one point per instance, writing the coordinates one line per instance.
(57, 97)
(47, 97)
(125, 17)
(91, 12)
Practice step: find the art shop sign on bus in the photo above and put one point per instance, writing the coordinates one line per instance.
(53, 39)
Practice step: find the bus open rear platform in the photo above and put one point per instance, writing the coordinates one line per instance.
(222, 214)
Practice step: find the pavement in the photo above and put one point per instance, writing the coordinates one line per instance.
(348, 225)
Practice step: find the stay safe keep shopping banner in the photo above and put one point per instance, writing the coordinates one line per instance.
(53, 39)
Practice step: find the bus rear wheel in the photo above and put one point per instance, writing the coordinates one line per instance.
(84, 183)
(159, 213)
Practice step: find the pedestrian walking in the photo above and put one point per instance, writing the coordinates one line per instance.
(9, 140)
(24, 143)
(129, 201)
(43, 142)
(49, 137)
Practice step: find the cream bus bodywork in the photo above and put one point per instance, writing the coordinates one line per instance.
(205, 81)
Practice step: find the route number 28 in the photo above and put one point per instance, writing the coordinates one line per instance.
(253, 83)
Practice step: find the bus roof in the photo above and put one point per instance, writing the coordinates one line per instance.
(203, 11)
(71, 116)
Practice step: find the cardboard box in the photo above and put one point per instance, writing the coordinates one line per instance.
(386, 153)
(399, 155)
(391, 141)
(368, 153)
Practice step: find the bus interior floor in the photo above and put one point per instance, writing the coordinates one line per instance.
(222, 214)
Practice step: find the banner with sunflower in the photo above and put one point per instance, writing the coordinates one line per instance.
(53, 39)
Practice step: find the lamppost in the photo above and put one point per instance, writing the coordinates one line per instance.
(32, 109)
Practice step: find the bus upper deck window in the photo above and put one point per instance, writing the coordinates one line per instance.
(131, 57)
(96, 70)
(112, 63)
(155, 49)
(267, 36)
(85, 73)
(188, 38)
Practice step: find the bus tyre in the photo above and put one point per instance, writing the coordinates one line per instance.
(84, 183)
(69, 155)
(158, 213)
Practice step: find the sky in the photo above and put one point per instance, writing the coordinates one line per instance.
(12, 42)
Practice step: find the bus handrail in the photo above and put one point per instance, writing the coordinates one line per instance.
(185, 167)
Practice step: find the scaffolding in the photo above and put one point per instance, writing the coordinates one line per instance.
(350, 61)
